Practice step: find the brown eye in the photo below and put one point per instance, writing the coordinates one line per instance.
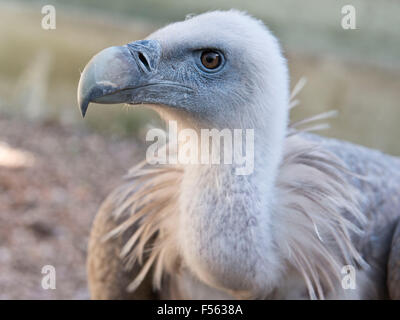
(211, 59)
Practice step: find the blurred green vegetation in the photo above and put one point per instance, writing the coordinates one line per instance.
(354, 71)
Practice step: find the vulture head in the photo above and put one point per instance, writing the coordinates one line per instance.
(221, 69)
(218, 69)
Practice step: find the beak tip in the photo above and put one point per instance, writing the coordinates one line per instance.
(83, 106)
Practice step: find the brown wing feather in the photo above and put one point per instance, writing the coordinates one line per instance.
(108, 278)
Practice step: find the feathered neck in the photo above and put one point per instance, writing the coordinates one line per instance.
(224, 231)
(312, 219)
(244, 234)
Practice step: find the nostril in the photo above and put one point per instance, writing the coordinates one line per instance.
(144, 61)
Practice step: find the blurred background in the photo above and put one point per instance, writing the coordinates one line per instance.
(55, 168)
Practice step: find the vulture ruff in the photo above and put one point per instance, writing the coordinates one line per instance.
(313, 193)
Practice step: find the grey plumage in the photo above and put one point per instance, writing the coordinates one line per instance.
(379, 198)
(311, 206)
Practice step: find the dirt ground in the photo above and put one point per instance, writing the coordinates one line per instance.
(52, 180)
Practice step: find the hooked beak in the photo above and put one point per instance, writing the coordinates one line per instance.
(121, 74)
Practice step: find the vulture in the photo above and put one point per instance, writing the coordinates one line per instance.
(317, 218)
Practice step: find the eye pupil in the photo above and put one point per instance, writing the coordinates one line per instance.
(211, 59)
